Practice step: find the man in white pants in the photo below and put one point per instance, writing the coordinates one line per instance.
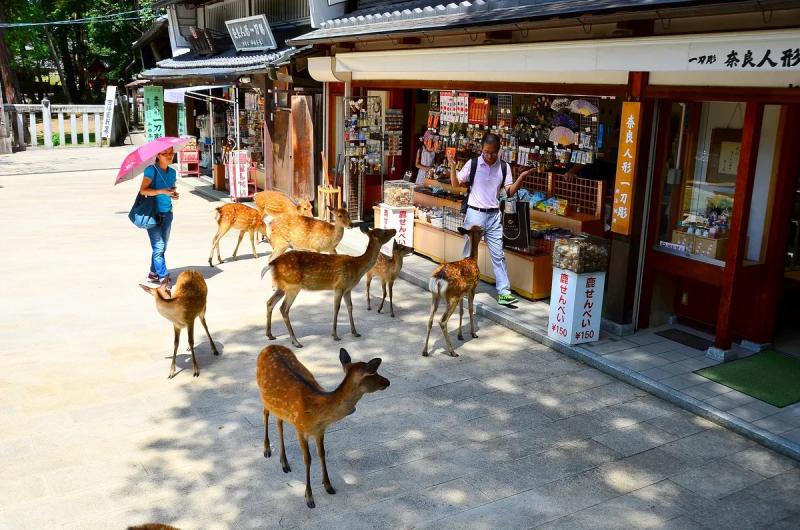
(490, 175)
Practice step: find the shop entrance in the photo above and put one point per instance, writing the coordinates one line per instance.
(787, 332)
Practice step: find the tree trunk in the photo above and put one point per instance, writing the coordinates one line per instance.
(69, 68)
(81, 60)
(57, 62)
(13, 94)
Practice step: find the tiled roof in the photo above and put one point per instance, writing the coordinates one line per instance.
(427, 14)
(227, 63)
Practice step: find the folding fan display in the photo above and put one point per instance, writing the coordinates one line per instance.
(563, 120)
(560, 104)
(562, 136)
(583, 107)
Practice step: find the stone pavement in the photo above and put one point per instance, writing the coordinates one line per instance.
(510, 435)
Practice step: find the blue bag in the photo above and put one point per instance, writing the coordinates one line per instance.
(144, 213)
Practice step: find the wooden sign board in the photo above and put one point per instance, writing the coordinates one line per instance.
(154, 112)
(622, 208)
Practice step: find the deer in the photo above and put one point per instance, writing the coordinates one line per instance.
(244, 219)
(275, 203)
(298, 270)
(289, 391)
(307, 233)
(454, 280)
(181, 306)
(387, 269)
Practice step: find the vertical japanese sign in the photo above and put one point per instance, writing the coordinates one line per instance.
(238, 168)
(181, 119)
(576, 305)
(108, 111)
(402, 220)
(154, 112)
(626, 168)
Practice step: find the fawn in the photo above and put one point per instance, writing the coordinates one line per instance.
(275, 203)
(454, 280)
(244, 219)
(298, 270)
(181, 306)
(387, 269)
(290, 392)
(307, 233)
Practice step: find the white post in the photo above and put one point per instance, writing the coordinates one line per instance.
(32, 128)
(62, 138)
(47, 125)
(98, 137)
(73, 129)
(20, 130)
(85, 128)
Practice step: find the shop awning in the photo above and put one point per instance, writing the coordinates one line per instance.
(177, 95)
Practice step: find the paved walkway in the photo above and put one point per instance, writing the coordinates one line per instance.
(510, 435)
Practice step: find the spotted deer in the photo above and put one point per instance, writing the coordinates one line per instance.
(289, 391)
(312, 271)
(387, 269)
(181, 306)
(242, 218)
(307, 233)
(275, 203)
(453, 281)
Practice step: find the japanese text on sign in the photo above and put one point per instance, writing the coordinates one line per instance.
(764, 58)
(251, 33)
(626, 168)
(154, 112)
(576, 302)
(108, 111)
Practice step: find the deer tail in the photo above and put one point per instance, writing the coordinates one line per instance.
(267, 268)
(437, 285)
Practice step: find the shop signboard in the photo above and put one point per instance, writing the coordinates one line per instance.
(108, 111)
(238, 168)
(251, 33)
(154, 112)
(181, 119)
(401, 218)
(576, 305)
(622, 207)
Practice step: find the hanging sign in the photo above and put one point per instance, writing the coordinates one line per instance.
(108, 111)
(251, 33)
(238, 168)
(154, 112)
(626, 168)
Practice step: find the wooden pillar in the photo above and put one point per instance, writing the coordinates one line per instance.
(745, 177)
(62, 139)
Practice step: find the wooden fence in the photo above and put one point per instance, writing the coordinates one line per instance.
(24, 120)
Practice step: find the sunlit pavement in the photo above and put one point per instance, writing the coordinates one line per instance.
(508, 435)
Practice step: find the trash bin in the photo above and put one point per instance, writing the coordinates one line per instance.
(576, 295)
(219, 177)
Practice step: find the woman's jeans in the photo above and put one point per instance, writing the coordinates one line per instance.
(159, 236)
(491, 222)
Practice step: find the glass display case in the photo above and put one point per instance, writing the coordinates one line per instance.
(398, 193)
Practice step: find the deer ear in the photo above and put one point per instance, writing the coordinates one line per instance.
(364, 227)
(462, 230)
(148, 290)
(344, 357)
(372, 366)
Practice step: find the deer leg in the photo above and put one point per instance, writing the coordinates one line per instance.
(460, 317)
(337, 302)
(238, 242)
(434, 307)
(175, 351)
(215, 244)
(367, 282)
(326, 481)
(349, 303)
(451, 307)
(276, 296)
(470, 300)
(267, 449)
(383, 295)
(279, 246)
(284, 463)
(285, 306)
(391, 302)
(253, 241)
(205, 327)
(307, 460)
(195, 368)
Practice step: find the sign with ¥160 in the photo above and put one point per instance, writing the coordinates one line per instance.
(251, 33)
(108, 111)
(154, 112)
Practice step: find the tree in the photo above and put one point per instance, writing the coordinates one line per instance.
(7, 74)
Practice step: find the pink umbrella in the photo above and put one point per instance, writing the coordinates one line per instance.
(144, 155)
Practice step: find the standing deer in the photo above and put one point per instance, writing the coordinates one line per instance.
(275, 203)
(181, 306)
(387, 269)
(298, 270)
(244, 219)
(307, 233)
(454, 280)
(290, 392)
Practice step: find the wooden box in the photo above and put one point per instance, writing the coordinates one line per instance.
(218, 174)
(711, 248)
(683, 238)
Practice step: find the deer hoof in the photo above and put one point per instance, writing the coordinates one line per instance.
(329, 489)
(392, 314)
(356, 334)
(210, 264)
(460, 336)
(310, 502)
(425, 353)
(196, 374)
(286, 468)
(336, 337)
(474, 335)
(171, 375)
(267, 453)
(270, 336)
(452, 354)
(297, 344)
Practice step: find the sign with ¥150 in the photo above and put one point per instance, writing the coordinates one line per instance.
(251, 33)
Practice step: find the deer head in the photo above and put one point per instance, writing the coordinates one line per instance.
(399, 250)
(341, 218)
(304, 207)
(365, 376)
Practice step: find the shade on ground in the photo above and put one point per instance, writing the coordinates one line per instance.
(769, 376)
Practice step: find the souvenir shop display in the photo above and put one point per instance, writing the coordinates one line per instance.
(581, 254)
(363, 147)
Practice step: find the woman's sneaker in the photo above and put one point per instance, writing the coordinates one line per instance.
(507, 299)
(153, 278)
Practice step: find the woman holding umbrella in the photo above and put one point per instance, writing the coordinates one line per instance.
(159, 181)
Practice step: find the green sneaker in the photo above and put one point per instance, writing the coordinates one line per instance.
(506, 299)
